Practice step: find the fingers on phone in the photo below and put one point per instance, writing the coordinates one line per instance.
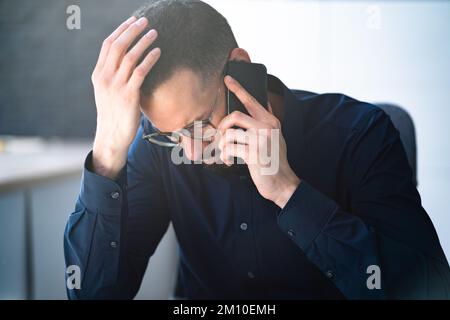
(234, 136)
(141, 71)
(239, 119)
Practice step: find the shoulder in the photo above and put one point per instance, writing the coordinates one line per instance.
(337, 110)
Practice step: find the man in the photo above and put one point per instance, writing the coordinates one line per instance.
(339, 218)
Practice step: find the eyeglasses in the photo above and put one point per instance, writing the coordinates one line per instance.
(202, 130)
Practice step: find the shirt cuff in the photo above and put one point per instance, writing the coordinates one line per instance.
(305, 215)
(101, 194)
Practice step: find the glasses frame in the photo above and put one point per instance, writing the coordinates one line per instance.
(177, 135)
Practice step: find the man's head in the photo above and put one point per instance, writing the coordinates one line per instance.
(192, 35)
(186, 84)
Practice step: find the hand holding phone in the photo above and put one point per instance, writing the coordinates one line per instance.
(260, 144)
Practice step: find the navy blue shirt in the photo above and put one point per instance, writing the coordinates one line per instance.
(356, 207)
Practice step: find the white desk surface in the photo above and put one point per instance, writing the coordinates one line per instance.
(21, 166)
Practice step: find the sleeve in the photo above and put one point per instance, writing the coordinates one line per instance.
(116, 227)
(384, 246)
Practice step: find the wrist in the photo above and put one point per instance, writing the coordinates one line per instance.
(108, 161)
(286, 191)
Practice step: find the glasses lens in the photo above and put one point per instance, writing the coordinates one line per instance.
(200, 131)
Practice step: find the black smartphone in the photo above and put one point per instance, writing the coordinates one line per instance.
(253, 77)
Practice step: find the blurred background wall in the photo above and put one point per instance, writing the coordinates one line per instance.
(377, 51)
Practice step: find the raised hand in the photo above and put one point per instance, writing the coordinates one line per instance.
(117, 79)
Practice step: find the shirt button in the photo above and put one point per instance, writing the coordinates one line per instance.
(244, 226)
(115, 195)
(113, 244)
(250, 275)
(329, 274)
(291, 233)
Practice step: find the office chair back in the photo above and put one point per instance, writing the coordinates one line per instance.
(405, 125)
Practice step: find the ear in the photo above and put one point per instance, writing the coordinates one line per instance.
(239, 54)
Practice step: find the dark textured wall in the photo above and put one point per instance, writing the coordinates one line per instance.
(45, 68)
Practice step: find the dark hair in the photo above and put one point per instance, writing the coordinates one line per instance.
(191, 34)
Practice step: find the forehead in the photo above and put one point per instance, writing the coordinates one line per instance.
(178, 101)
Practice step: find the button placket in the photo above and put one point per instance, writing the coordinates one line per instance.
(244, 226)
(329, 274)
(244, 212)
(115, 195)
